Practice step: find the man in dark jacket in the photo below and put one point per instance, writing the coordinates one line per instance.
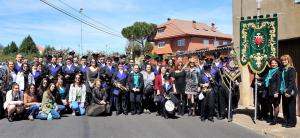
(136, 84)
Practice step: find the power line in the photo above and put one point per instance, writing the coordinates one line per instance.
(74, 9)
(79, 19)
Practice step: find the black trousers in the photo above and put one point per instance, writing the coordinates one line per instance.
(207, 105)
(182, 102)
(121, 102)
(136, 102)
(289, 109)
(220, 97)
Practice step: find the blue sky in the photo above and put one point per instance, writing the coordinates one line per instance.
(19, 18)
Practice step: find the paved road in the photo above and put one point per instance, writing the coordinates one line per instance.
(123, 126)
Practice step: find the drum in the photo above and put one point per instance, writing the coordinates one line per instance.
(170, 106)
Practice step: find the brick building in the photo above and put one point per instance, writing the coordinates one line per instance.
(181, 35)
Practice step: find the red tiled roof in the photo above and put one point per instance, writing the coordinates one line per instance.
(40, 48)
(176, 27)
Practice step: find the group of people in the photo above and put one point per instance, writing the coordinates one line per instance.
(100, 85)
(275, 85)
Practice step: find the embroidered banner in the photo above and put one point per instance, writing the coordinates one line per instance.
(258, 42)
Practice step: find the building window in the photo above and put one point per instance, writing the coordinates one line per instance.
(161, 44)
(225, 42)
(160, 30)
(216, 43)
(206, 42)
(181, 42)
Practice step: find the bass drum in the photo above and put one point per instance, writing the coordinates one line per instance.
(170, 106)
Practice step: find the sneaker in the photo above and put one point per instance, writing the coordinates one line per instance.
(10, 118)
(30, 117)
(73, 113)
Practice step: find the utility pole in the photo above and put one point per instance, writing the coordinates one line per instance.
(80, 11)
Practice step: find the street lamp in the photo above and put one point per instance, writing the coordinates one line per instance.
(80, 11)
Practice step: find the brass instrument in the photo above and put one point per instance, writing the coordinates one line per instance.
(120, 86)
(205, 88)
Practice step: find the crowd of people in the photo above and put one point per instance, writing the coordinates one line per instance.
(100, 86)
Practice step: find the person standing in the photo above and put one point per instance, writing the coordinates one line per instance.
(54, 69)
(148, 76)
(136, 85)
(24, 77)
(192, 86)
(180, 84)
(158, 83)
(120, 95)
(272, 84)
(289, 91)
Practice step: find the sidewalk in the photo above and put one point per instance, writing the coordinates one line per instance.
(243, 118)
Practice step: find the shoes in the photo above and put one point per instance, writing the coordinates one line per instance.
(211, 119)
(30, 117)
(125, 113)
(190, 112)
(202, 119)
(10, 118)
(118, 113)
(166, 117)
(133, 113)
(274, 122)
(73, 113)
(289, 126)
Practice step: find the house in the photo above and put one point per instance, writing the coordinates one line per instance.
(40, 48)
(181, 35)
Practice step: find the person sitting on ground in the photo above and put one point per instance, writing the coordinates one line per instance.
(99, 104)
(77, 95)
(14, 102)
(50, 110)
(30, 102)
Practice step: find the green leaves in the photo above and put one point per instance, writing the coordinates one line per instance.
(141, 33)
(28, 46)
(10, 49)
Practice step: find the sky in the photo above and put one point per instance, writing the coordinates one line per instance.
(47, 26)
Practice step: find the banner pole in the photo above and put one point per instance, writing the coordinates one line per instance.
(255, 101)
(229, 103)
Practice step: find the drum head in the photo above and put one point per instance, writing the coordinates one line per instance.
(170, 106)
(201, 96)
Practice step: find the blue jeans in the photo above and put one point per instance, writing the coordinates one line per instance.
(44, 116)
(76, 107)
(33, 109)
(61, 107)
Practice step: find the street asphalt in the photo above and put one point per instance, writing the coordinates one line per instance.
(145, 126)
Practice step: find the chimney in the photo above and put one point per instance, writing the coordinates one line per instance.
(213, 27)
(194, 25)
(169, 19)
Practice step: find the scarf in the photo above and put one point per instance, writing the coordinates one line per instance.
(136, 80)
(282, 84)
(269, 76)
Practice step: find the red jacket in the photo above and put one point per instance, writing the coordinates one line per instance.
(158, 84)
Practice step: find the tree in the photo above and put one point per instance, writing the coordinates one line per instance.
(10, 49)
(48, 50)
(140, 32)
(135, 48)
(28, 46)
(13, 47)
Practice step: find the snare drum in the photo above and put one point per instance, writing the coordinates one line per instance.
(170, 106)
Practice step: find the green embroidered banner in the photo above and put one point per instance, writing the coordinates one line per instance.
(258, 42)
